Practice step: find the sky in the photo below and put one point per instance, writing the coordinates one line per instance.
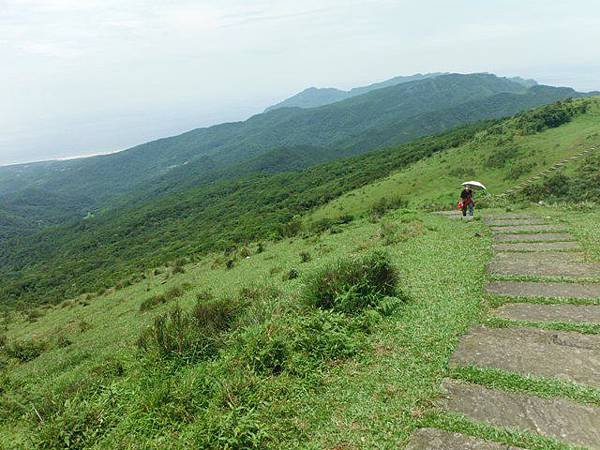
(81, 77)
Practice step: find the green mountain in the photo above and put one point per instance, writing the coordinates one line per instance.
(354, 292)
(98, 252)
(314, 97)
(384, 117)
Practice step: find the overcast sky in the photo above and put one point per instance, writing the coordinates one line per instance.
(86, 76)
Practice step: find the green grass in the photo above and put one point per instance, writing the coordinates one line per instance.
(539, 386)
(110, 396)
(497, 300)
(458, 423)
(436, 180)
(559, 326)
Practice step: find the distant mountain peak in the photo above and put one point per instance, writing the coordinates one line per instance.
(314, 97)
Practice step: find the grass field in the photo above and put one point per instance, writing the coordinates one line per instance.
(93, 388)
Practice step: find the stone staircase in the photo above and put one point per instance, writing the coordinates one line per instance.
(545, 173)
(537, 331)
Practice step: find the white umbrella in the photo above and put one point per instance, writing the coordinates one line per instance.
(474, 184)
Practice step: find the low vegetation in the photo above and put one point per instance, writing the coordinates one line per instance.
(230, 364)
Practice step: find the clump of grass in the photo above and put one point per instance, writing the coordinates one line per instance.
(190, 335)
(385, 204)
(305, 257)
(25, 350)
(352, 284)
(290, 275)
(32, 315)
(160, 299)
(300, 344)
(62, 341)
(84, 326)
(393, 233)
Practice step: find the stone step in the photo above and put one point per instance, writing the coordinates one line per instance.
(538, 257)
(586, 314)
(565, 355)
(511, 215)
(528, 228)
(543, 289)
(562, 264)
(513, 222)
(536, 246)
(434, 439)
(535, 237)
(559, 419)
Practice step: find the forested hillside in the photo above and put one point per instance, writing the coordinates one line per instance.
(381, 118)
(102, 250)
(314, 97)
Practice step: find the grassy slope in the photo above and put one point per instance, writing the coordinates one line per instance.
(437, 179)
(375, 398)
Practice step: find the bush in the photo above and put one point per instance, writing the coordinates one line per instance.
(190, 336)
(63, 341)
(152, 302)
(26, 350)
(290, 229)
(290, 275)
(385, 204)
(305, 257)
(516, 171)
(501, 157)
(352, 284)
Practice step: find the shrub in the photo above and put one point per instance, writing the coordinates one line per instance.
(385, 204)
(327, 335)
(229, 264)
(290, 275)
(501, 157)
(32, 315)
(80, 424)
(305, 257)
(63, 341)
(290, 229)
(190, 336)
(352, 284)
(84, 326)
(26, 350)
(516, 171)
(152, 302)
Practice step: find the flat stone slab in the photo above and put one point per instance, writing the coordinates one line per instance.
(434, 439)
(566, 355)
(542, 289)
(533, 237)
(511, 216)
(513, 222)
(539, 257)
(528, 228)
(536, 246)
(555, 418)
(540, 264)
(589, 314)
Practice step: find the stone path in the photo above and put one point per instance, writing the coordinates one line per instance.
(536, 246)
(525, 246)
(526, 228)
(550, 313)
(535, 237)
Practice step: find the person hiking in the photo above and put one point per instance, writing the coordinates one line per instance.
(466, 198)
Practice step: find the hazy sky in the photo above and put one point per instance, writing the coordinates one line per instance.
(85, 76)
